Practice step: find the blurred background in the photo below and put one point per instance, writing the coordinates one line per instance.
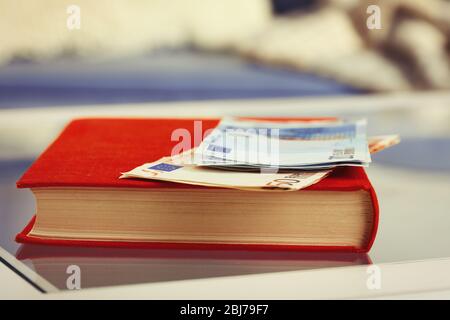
(386, 60)
(64, 52)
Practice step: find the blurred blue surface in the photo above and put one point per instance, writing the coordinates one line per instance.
(162, 76)
(430, 154)
(16, 206)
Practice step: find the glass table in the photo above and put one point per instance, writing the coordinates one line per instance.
(412, 181)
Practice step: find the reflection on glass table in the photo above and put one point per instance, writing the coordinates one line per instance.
(110, 266)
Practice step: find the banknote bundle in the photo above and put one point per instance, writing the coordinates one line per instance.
(181, 169)
(296, 146)
(259, 156)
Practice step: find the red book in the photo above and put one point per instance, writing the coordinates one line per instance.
(81, 201)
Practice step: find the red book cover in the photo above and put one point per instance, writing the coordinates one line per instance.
(93, 152)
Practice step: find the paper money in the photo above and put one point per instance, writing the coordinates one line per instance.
(261, 155)
(379, 143)
(181, 169)
(376, 144)
(299, 145)
(174, 169)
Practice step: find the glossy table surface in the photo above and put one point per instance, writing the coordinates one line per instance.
(412, 181)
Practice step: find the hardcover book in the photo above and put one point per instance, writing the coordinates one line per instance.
(81, 201)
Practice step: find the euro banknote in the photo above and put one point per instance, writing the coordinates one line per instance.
(179, 169)
(294, 145)
(182, 169)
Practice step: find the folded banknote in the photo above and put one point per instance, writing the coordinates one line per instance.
(293, 145)
(182, 169)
